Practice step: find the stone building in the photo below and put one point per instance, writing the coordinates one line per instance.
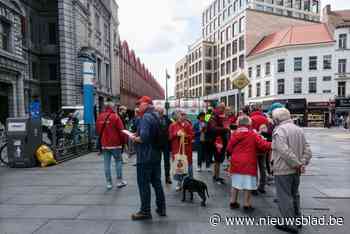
(12, 59)
(41, 45)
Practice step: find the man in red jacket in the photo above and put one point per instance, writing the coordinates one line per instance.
(109, 127)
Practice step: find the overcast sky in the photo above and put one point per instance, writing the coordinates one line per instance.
(159, 31)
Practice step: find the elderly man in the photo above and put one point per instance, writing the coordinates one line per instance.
(165, 144)
(148, 161)
(290, 153)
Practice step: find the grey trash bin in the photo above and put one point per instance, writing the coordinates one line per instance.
(24, 136)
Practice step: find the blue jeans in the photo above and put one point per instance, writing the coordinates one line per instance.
(147, 174)
(107, 157)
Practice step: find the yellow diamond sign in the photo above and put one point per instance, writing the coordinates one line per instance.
(240, 80)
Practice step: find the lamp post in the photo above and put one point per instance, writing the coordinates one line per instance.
(166, 93)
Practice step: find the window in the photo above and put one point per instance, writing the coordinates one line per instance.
(234, 47)
(52, 34)
(223, 52)
(258, 89)
(228, 67)
(208, 78)
(208, 65)
(250, 71)
(99, 70)
(267, 68)
(298, 85)
(108, 80)
(279, 2)
(342, 41)
(341, 88)
(200, 65)
(280, 86)
(228, 84)
(327, 62)
(97, 23)
(258, 70)
(234, 29)
(267, 88)
(241, 25)
(313, 63)
(313, 85)
(234, 64)
(34, 71)
(222, 85)
(4, 36)
(222, 70)
(250, 91)
(241, 61)
(342, 66)
(241, 43)
(298, 64)
(53, 71)
(228, 50)
(281, 65)
(327, 78)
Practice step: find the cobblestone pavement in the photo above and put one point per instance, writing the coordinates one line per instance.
(71, 198)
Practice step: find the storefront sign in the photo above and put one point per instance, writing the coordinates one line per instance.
(342, 103)
(319, 105)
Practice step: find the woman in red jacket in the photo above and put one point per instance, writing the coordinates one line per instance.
(243, 146)
(178, 129)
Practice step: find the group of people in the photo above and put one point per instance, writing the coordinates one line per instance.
(254, 143)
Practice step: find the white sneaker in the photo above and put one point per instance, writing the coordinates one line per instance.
(109, 186)
(178, 187)
(122, 184)
(199, 169)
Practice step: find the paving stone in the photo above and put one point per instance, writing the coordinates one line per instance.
(20, 226)
(74, 227)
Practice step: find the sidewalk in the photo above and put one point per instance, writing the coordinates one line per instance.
(71, 198)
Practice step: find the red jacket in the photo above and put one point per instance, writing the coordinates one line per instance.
(243, 146)
(112, 136)
(175, 140)
(258, 118)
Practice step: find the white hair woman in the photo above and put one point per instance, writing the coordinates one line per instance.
(290, 153)
(243, 146)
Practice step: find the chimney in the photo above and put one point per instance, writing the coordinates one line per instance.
(325, 12)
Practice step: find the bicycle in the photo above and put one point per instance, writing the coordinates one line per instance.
(3, 155)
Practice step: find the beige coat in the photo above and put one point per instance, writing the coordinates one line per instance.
(289, 148)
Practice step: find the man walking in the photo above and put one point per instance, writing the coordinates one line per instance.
(290, 153)
(109, 128)
(148, 162)
(164, 143)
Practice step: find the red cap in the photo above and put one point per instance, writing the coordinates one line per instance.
(145, 99)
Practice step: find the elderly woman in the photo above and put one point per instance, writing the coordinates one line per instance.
(181, 128)
(243, 146)
(290, 153)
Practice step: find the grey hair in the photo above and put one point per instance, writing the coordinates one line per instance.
(244, 121)
(281, 114)
(109, 104)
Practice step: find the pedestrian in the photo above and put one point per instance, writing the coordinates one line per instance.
(148, 160)
(218, 139)
(178, 129)
(348, 121)
(109, 128)
(259, 120)
(164, 142)
(291, 153)
(243, 147)
(200, 128)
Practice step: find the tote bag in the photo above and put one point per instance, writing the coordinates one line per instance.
(180, 163)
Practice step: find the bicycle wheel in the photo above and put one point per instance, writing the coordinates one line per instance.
(3, 155)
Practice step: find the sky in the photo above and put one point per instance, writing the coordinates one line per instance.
(160, 31)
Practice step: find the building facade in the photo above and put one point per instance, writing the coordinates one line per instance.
(13, 74)
(295, 66)
(235, 27)
(181, 68)
(135, 79)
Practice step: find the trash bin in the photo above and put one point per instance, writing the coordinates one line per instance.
(24, 136)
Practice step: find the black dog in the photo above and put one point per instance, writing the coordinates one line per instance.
(192, 186)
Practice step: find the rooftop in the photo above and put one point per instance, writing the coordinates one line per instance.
(294, 35)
